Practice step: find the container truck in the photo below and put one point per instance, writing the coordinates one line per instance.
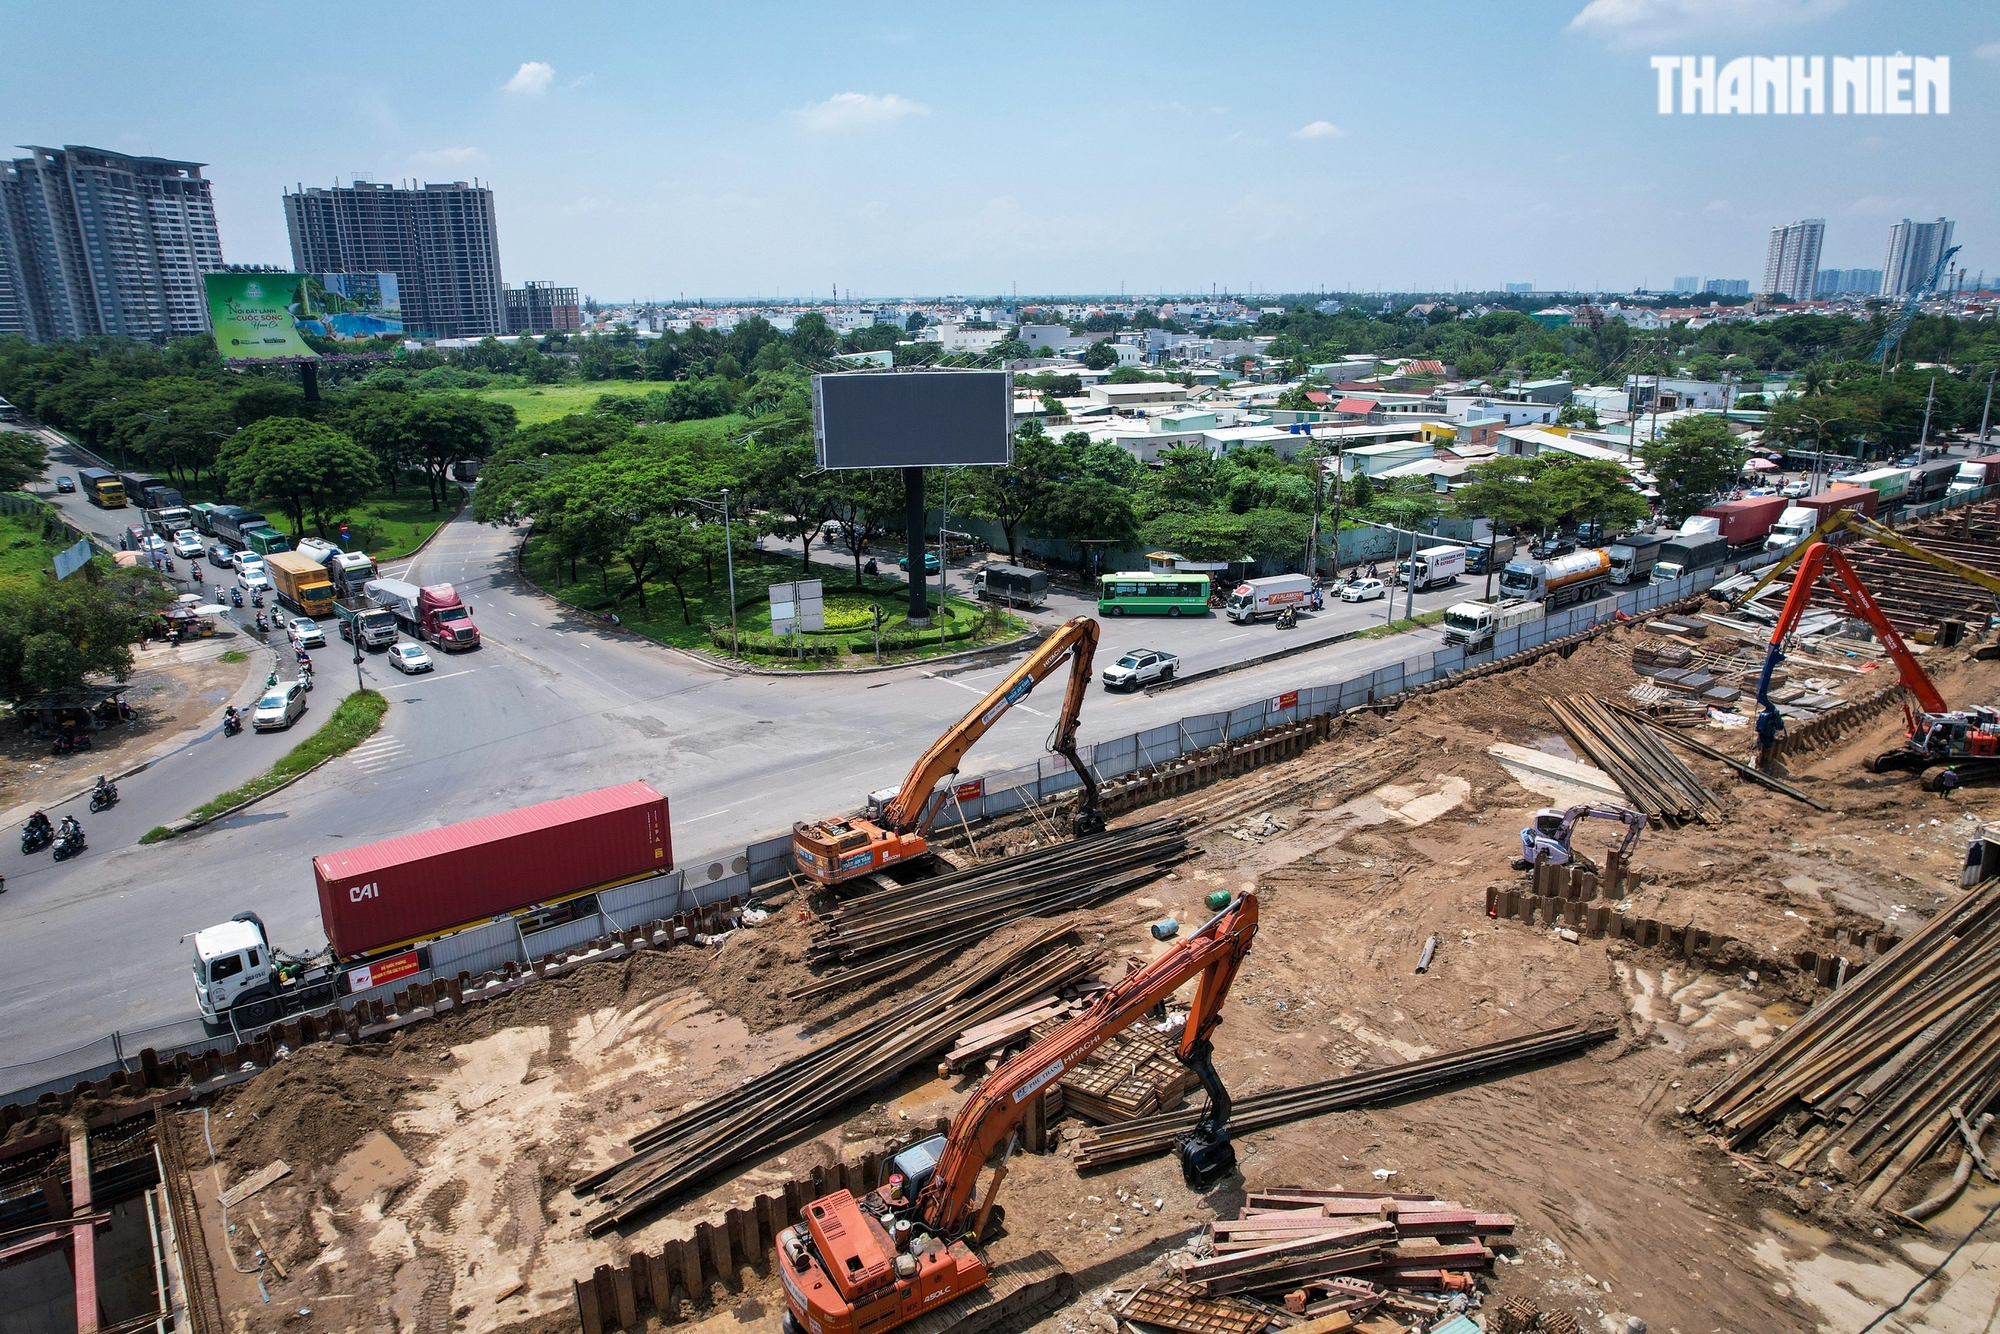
(1791, 528)
(1888, 484)
(365, 622)
(150, 492)
(444, 620)
(1576, 577)
(1859, 498)
(201, 511)
(229, 522)
(1746, 522)
(1632, 557)
(1931, 481)
(1435, 567)
(1688, 553)
(350, 570)
(300, 584)
(1013, 585)
(173, 519)
(399, 598)
(384, 904)
(1977, 473)
(1267, 597)
(1474, 624)
(266, 540)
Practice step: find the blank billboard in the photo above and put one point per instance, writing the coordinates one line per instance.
(911, 419)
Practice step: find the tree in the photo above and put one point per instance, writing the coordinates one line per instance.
(1190, 478)
(1405, 502)
(1502, 491)
(1101, 355)
(1577, 414)
(302, 466)
(444, 428)
(1691, 461)
(862, 501)
(55, 634)
(1021, 493)
(663, 545)
(787, 482)
(1596, 491)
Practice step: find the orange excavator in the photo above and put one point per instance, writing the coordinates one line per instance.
(1938, 734)
(906, 1254)
(897, 824)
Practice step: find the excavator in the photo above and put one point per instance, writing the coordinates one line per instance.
(898, 821)
(1549, 836)
(1937, 733)
(907, 1254)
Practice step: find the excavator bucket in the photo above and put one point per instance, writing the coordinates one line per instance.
(1205, 1160)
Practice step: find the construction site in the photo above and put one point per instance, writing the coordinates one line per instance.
(1545, 997)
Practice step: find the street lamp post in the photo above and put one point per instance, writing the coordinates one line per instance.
(729, 561)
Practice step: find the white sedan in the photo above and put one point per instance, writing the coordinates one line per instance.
(187, 545)
(410, 658)
(307, 635)
(1364, 590)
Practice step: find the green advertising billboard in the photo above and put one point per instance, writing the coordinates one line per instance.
(252, 316)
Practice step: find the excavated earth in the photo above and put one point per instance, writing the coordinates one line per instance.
(429, 1174)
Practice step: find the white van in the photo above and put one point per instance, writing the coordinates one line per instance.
(1268, 597)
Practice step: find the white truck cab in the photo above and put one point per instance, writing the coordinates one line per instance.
(230, 961)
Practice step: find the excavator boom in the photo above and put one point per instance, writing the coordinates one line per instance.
(834, 850)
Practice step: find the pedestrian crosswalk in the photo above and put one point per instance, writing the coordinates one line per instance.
(377, 754)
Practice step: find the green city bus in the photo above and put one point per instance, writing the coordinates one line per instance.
(101, 488)
(1138, 593)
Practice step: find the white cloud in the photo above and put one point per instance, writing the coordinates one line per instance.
(1638, 22)
(858, 111)
(532, 79)
(445, 157)
(1990, 51)
(1319, 129)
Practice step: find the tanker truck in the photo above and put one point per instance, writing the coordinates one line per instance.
(1577, 577)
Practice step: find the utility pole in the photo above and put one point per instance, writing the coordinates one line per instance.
(1924, 438)
(729, 560)
(1986, 415)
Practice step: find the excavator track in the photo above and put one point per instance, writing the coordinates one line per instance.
(1015, 1294)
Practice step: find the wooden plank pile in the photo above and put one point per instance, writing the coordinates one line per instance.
(1658, 782)
(1882, 1073)
(1134, 1074)
(879, 934)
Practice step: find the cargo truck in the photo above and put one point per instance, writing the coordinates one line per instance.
(1496, 552)
(1473, 625)
(300, 584)
(201, 510)
(1977, 473)
(173, 519)
(1688, 553)
(266, 540)
(444, 620)
(1746, 522)
(350, 570)
(1013, 585)
(383, 905)
(1434, 568)
(399, 598)
(229, 522)
(1861, 499)
(1267, 597)
(1576, 577)
(150, 492)
(1632, 557)
(363, 621)
(1930, 481)
(1888, 484)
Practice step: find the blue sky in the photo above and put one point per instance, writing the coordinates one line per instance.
(654, 150)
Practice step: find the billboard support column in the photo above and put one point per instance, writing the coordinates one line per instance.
(913, 518)
(309, 380)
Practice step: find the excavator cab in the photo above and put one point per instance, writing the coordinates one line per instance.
(1548, 822)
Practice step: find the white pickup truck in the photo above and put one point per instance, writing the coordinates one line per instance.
(1142, 666)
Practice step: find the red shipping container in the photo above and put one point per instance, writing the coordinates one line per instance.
(1862, 498)
(1746, 521)
(422, 886)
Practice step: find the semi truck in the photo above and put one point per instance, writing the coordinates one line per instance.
(1860, 499)
(444, 620)
(1977, 473)
(1267, 597)
(300, 584)
(1473, 625)
(1434, 568)
(1012, 584)
(173, 519)
(363, 621)
(1576, 577)
(383, 905)
(1632, 557)
(1746, 522)
(1688, 553)
(1888, 484)
(1791, 528)
(230, 522)
(266, 540)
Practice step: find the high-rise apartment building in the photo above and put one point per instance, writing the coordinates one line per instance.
(441, 242)
(1726, 287)
(1914, 248)
(95, 243)
(1848, 282)
(1688, 284)
(539, 308)
(1791, 262)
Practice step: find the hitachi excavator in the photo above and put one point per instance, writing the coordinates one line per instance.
(907, 1254)
(897, 824)
(1937, 733)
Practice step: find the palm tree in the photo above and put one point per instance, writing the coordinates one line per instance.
(1815, 379)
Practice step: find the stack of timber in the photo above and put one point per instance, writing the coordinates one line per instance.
(1882, 1073)
(882, 933)
(1654, 779)
(1134, 1074)
(1151, 1135)
(750, 1121)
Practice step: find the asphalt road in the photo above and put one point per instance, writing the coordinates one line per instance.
(554, 703)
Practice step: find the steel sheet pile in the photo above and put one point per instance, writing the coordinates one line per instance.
(1880, 1074)
(741, 1126)
(1656, 780)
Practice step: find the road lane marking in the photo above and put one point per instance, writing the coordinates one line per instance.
(710, 816)
(371, 757)
(1245, 635)
(448, 675)
(977, 691)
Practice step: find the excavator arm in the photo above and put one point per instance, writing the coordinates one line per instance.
(1634, 821)
(986, 1122)
(912, 808)
(1821, 559)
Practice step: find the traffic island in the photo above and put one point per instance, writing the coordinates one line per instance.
(355, 720)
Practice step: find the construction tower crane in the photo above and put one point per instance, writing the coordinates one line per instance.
(908, 1250)
(1937, 734)
(898, 821)
(1908, 310)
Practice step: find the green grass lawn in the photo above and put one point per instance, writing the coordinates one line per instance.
(546, 402)
(848, 610)
(390, 527)
(25, 553)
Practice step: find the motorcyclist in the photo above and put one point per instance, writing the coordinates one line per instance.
(231, 720)
(38, 824)
(1318, 599)
(70, 829)
(195, 571)
(236, 596)
(263, 626)
(107, 787)
(1287, 619)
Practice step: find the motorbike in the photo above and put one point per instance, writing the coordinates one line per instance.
(236, 596)
(1288, 619)
(232, 723)
(306, 675)
(263, 626)
(195, 571)
(257, 598)
(69, 842)
(69, 743)
(36, 835)
(104, 797)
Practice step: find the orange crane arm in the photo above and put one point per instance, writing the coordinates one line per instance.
(989, 1119)
(1841, 577)
(1076, 640)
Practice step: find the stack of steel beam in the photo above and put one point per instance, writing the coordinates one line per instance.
(1653, 778)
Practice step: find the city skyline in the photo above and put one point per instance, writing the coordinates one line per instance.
(892, 158)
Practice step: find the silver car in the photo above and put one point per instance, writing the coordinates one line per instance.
(306, 634)
(280, 708)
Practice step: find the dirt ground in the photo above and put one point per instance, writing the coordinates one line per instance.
(429, 1176)
(172, 689)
